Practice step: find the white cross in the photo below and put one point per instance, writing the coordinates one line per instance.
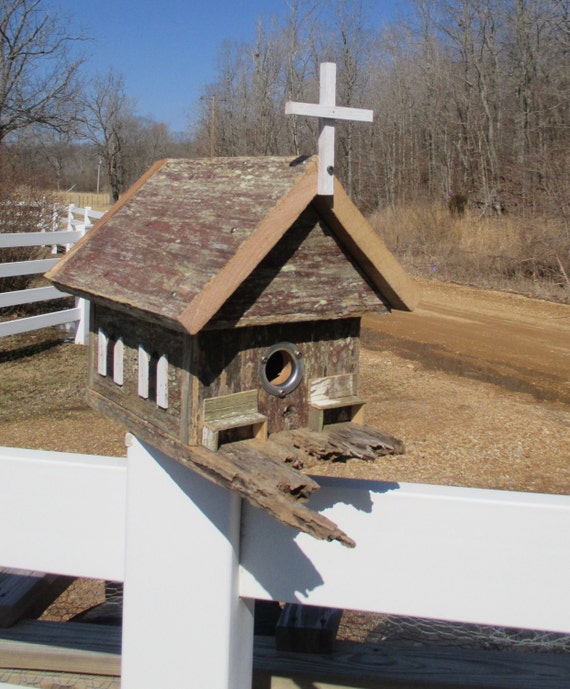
(327, 112)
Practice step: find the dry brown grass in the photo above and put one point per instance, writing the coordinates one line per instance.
(529, 255)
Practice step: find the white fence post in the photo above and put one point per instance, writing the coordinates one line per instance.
(70, 216)
(182, 615)
(82, 325)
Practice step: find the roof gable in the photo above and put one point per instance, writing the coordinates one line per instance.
(180, 243)
(306, 276)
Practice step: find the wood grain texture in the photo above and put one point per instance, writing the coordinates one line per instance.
(368, 249)
(367, 666)
(228, 362)
(263, 480)
(155, 342)
(176, 230)
(252, 251)
(303, 448)
(97, 227)
(307, 275)
(64, 647)
(42, 647)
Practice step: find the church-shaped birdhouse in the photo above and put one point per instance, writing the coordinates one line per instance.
(226, 298)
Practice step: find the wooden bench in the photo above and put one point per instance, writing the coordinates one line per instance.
(231, 412)
(335, 392)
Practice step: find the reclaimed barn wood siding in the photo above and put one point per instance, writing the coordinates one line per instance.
(306, 276)
(226, 362)
(156, 341)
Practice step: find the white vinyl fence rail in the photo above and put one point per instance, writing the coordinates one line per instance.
(76, 222)
(193, 558)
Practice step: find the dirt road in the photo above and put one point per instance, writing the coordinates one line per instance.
(477, 385)
(518, 343)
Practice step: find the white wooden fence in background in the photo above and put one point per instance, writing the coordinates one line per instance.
(76, 222)
(193, 557)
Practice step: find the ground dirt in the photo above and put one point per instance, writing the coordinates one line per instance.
(476, 383)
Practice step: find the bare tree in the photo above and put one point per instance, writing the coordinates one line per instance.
(352, 45)
(38, 76)
(469, 96)
(298, 40)
(108, 124)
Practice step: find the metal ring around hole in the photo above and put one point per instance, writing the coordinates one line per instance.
(279, 386)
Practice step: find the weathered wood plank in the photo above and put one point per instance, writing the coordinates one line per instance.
(368, 249)
(203, 208)
(229, 364)
(61, 647)
(235, 421)
(306, 274)
(216, 408)
(251, 252)
(366, 666)
(342, 385)
(338, 442)
(261, 479)
(95, 649)
(27, 593)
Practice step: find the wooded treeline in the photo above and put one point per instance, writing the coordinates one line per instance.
(469, 96)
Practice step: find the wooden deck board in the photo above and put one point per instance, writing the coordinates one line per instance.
(95, 649)
(24, 593)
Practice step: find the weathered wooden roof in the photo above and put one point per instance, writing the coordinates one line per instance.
(205, 242)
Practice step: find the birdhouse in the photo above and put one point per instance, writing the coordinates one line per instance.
(226, 298)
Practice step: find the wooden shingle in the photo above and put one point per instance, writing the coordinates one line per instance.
(183, 241)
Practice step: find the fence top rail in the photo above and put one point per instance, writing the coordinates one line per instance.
(14, 239)
(89, 212)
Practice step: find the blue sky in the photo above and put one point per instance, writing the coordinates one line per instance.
(166, 50)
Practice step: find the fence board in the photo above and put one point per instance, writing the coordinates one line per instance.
(66, 237)
(8, 270)
(462, 554)
(480, 556)
(66, 513)
(13, 239)
(450, 553)
(30, 296)
(44, 320)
